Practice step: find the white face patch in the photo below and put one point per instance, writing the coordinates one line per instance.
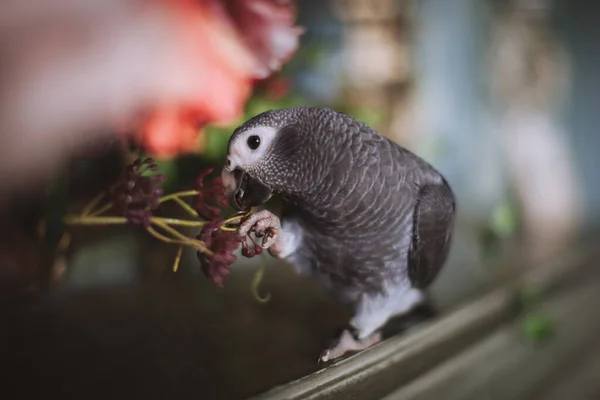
(244, 151)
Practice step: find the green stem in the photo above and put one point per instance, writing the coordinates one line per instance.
(94, 220)
(177, 259)
(178, 222)
(234, 218)
(186, 193)
(163, 238)
(186, 207)
(256, 282)
(192, 242)
(102, 210)
(93, 203)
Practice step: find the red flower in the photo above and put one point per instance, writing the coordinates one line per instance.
(227, 44)
(211, 196)
(252, 250)
(222, 244)
(136, 196)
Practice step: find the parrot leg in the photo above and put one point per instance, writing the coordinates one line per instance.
(266, 225)
(347, 343)
(372, 313)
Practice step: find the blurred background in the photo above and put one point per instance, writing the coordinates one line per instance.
(501, 96)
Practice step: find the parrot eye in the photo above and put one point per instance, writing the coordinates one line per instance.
(253, 142)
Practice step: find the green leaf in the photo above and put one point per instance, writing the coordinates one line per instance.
(504, 220)
(537, 327)
(216, 142)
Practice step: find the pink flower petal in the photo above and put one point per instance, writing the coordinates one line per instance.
(224, 46)
(267, 28)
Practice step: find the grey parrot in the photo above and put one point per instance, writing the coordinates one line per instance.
(365, 217)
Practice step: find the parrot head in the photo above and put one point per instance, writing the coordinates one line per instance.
(240, 181)
(285, 152)
(252, 159)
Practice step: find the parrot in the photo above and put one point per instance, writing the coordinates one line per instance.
(361, 215)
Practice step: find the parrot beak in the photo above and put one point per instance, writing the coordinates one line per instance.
(247, 192)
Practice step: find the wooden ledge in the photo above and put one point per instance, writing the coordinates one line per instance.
(394, 363)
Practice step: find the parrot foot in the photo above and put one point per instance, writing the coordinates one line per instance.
(347, 343)
(265, 224)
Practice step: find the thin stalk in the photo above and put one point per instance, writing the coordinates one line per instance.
(256, 282)
(236, 217)
(192, 242)
(162, 237)
(186, 193)
(186, 207)
(178, 222)
(94, 220)
(177, 259)
(102, 210)
(93, 203)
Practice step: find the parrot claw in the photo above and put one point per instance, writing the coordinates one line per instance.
(265, 224)
(347, 343)
(269, 238)
(324, 357)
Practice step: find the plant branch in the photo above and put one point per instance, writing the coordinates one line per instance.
(256, 282)
(187, 193)
(232, 219)
(186, 207)
(178, 222)
(95, 220)
(177, 259)
(89, 207)
(164, 238)
(192, 242)
(102, 210)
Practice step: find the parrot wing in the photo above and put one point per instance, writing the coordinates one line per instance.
(432, 231)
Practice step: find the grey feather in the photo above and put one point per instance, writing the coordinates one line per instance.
(432, 233)
(373, 213)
